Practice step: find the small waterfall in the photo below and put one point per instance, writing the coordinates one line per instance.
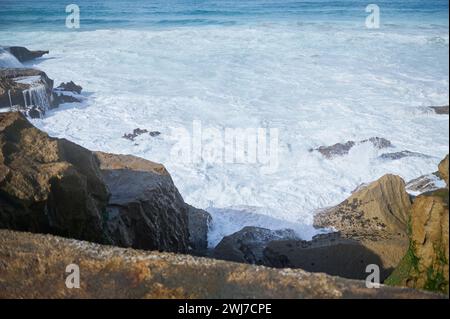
(39, 97)
(10, 99)
(7, 60)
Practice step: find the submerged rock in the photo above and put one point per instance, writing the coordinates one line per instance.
(340, 149)
(51, 185)
(440, 109)
(402, 154)
(247, 245)
(33, 266)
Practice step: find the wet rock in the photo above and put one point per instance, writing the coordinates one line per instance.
(398, 155)
(60, 98)
(23, 54)
(440, 109)
(33, 266)
(136, 132)
(26, 90)
(424, 184)
(154, 133)
(340, 149)
(198, 224)
(247, 245)
(70, 87)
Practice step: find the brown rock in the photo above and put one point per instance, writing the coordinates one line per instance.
(440, 109)
(33, 266)
(443, 169)
(425, 265)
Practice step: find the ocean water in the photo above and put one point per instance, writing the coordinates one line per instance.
(310, 69)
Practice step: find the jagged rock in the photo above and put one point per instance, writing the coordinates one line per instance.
(154, 133)
(60, 98)
(440, 109)
(33, 266)
(328, 253)
(69, 87)
(247, 245)
(340, 149)
(23, 54)
(425, 265)
(443, 169)
(54, 186)
(136, 133)
(401, 154)
(424, 184)
(376, 216)
(25, 90)
(145, 209)
(198, 224)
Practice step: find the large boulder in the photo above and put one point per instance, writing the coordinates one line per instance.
(376, 216)
(198, 224)
(34, 265)
(248, 244)
(26, 90)
(328, 253)
(51, 185)
(145, 210)
(425, 265)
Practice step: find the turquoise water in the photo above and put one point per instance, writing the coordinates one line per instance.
(107, 14)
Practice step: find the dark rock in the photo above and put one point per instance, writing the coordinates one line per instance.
(145, 210)
(198, 224)
(136, 132)
(247, 245)
(328, 253)
(23, 54)
(154, 133)
(60, 98)
(440, 109)
(340, 149)
(51, 185)
(401, 154)
(69, 87)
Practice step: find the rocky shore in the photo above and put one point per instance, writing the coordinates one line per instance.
(61, 203)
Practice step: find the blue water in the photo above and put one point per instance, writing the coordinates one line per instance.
(107, 14)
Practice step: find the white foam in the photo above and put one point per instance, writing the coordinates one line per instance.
(7, 60)
(317, 85)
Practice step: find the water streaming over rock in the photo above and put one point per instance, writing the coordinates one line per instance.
(7, 60)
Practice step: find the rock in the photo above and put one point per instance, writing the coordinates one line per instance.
(25, 90)
(60, 98)
(424, 184)
(154, 133)
(376, 216)
(69, 87)
(443, 169)
(247, 245)
(198, 224)
(340, 149)
(136, 133)
(33, 266)
(51, 185)
(401, 154)
(145, 210)
(425, 265)
(328, 253)
(23, 54)
(440, 109)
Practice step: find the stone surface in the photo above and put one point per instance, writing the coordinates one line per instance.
(440, 109)
(69, 87)
(424, 184)
(198, 224)
(145, 210)
(443, 169)
(398, 155)
(376, 216)
(51, 185)
(328, 253)
(425, 265)
(33, 266)
(23, 54)
(15, 82)
(340, 149)
(247, 245)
